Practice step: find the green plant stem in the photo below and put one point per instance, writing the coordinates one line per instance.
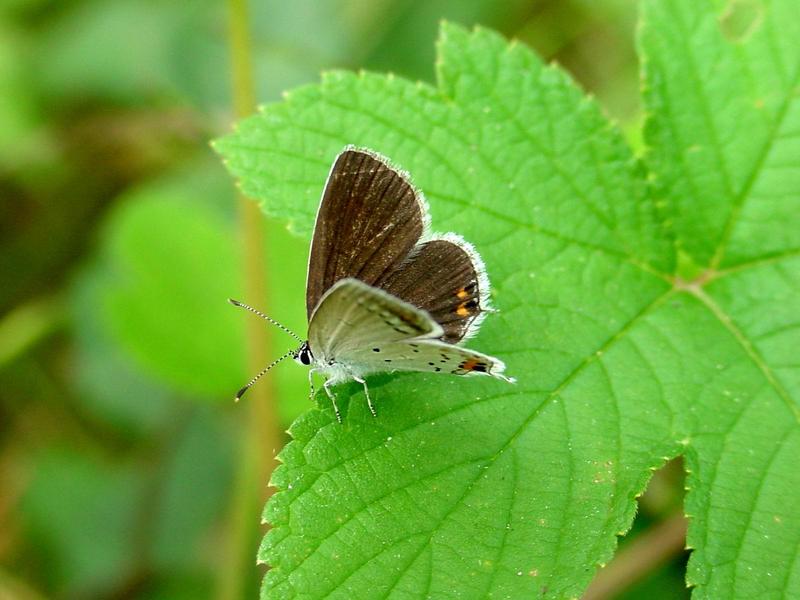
(259, 416)
(26, 324)
(642, 556)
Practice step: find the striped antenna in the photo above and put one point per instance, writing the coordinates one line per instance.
(266, 318)
(263, 371)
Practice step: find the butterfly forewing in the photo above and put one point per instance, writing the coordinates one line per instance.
(354, 317)
(369, 220)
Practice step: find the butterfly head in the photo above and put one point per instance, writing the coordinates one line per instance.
(303, 354)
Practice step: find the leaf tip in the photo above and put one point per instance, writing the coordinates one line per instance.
(449, 30)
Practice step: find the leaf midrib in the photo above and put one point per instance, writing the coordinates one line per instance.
(749, 349)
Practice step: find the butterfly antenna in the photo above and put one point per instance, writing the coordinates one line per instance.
(263, 371)
(266, 318)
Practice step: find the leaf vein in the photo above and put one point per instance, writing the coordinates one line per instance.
(749, 349)
(754, 502)
(752, 177)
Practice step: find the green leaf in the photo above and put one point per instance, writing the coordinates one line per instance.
(184, 56)
(723, 125)
(199, 457)
(102, 520)
(135, 403)
(170, 270)
(473, 488)
(723, 135)
(157, 292)
(18, 117)
(83, 511)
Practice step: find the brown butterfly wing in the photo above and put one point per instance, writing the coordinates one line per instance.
(369, 220)
(446, 278)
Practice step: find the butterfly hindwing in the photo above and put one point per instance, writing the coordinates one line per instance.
(446, 278)
(427, 355)
(369, 330)
(353, 316)
(368, 222)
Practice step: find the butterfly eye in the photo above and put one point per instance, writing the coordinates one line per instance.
(305, 356)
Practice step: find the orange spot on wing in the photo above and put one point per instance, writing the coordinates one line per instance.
(474, 364)
(462, 311)
(462, 293)
(470, 364)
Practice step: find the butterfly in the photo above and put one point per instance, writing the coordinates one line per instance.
(383, 293)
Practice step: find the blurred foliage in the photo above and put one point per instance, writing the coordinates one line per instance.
(119, 245)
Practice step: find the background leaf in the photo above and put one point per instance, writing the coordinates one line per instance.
(85, 503)
(167, 262)
(622, 361)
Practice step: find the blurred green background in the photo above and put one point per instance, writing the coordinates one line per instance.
(120, 242)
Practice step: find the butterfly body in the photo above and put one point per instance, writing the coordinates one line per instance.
(383, 293)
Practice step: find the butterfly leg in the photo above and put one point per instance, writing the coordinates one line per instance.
(311, 384)
(366, 393)
(332, 396)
